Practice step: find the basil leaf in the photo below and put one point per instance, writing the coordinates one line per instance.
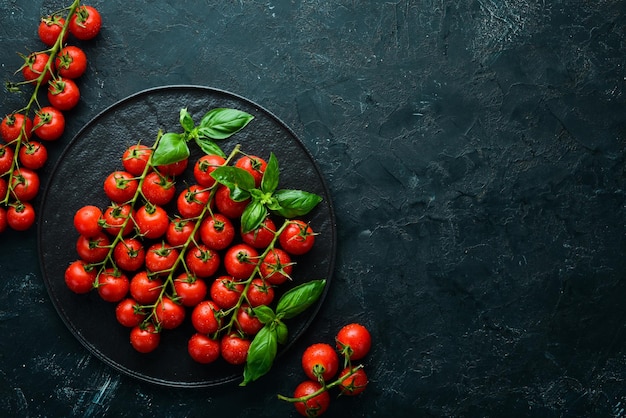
(298, 299)
(186, 120)
(264, 313)
(253, 216)
(171, 149)
(220, 123)
(294, 203)
(261, 354)
(233, 177)
(282, 332)
(269, 182)
(209, 147)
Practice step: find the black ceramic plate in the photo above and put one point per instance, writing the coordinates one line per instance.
(77, 180)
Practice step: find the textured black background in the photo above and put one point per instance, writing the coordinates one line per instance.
(475, 154)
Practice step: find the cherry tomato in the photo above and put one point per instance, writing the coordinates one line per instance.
(262, 236)
(297, 238)
(11, 127)
(320, 361)
(205, 318)
(355, 383)
(50, 28)
(157, 189)
(25, 184)
(234, 348)
(227, 206)
(240, 261)
(35, 65)
(354, 341)
(202, 261)
(6, 160)
(85, 23)
(3, 220)
(217, 232)
(203, 349)
(33, 155)
(179, 231)
(4, 188)
(276, 267)
(151, 221)
(253, 165)
(144, 338)
(169, 314)
(112, 285)
(173, 169)
(135, 159)
(315, 406)
(63, 93)
(87, 220)
(120, 186)
(259, 293)
(49, 123)
(93, 249)
(190, 290)
(116, 217)
(129, 254)
(247, 322)
(145, 289)
(160, 258)
(79, 277)
(203, 168)
(71, 62)
(225, 292)
(192, 200)
(21, 216)
(128, 313)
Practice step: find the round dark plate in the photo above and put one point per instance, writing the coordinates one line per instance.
(77, 180)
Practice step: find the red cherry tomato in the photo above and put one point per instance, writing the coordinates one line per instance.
(151, 221)
(63, 93)
(71, 62)
(160, 258)
(6, 160)
(203, 168)
(203, 349)
(50, 29)
(259, 293)
(35, 66)
(25, 184)
(253, 165)
(315, 406)
(234, 348)
(169, 314)
(135, 159)
(262, 236)
(217, 232)
(33, 155)
(240, 261)
(87, 221)
(190, 290)
(85, 23)
(355, 383)
(11, 127)
(145, 338)
(297, 238)
(227, 206)
(205, 318)
(112, 285)
(276, 267)
(225, 292)
(145, 289)
(93, 249)
(202, 261)
(79, 277)
(320, 361)
(354, 341)
(128, 313)
(129, 254)
(158, 189)
(116, 217)
(120, 186)
(49, 123)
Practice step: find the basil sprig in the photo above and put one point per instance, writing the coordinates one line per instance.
(218, 123)
(286, 203)
(264, 346)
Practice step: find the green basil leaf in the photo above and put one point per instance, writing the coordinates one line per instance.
(294, 203)
(282, 332)
(273, 205)
(298, 299)
(253, 216)
(233, 177)
(171, 149)
(186, 120)
(264, 313)
(269, 182)
(261, 354)
(209, 147)
(220, 123)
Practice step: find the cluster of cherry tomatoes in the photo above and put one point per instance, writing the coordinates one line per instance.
(321, 365)
(162, 254)
(24, 150)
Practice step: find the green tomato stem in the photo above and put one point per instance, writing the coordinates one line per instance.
(324, 388)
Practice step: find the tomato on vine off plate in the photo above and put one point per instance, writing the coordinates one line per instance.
(199, 361)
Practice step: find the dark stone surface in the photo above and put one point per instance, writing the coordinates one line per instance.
(475, 154)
